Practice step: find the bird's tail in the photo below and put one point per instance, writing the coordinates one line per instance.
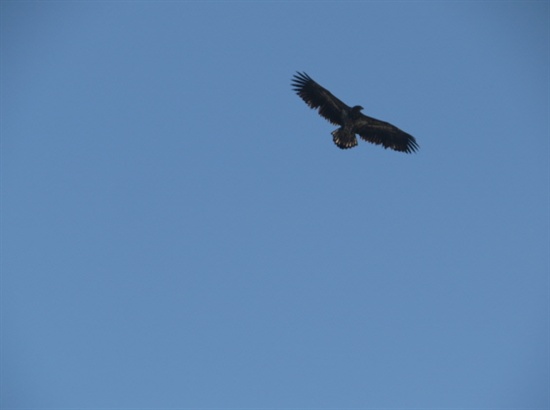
(343, 138)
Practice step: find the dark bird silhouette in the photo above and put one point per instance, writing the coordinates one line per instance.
(350, 119)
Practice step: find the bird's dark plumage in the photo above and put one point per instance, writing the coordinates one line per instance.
(350, 119)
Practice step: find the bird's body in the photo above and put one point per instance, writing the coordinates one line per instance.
(350, 119)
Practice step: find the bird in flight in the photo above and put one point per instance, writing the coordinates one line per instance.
(350, 119)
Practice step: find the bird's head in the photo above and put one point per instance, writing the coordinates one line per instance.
(356, 112)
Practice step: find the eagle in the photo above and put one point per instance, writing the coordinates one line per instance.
(350, 119)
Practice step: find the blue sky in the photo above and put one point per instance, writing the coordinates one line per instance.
(179, 230)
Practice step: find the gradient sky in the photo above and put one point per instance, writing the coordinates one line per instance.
(179, 230)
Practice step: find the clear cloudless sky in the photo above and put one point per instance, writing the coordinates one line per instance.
(179, 230)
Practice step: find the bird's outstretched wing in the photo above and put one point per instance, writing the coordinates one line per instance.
(316, 96)
(385, 134)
